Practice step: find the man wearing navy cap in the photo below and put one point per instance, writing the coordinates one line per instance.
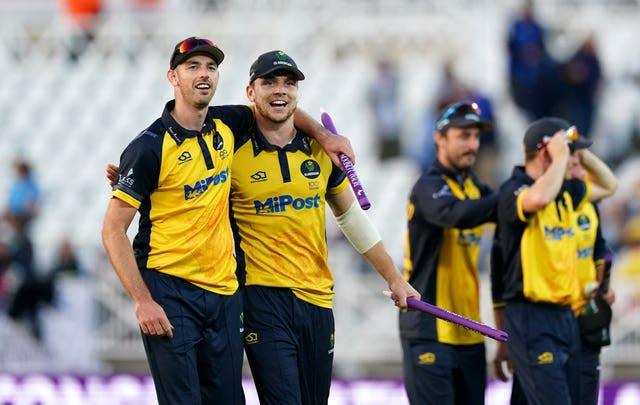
(448, 207)
(282, 181)
(537, 281)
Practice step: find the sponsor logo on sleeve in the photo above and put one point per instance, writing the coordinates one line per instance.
(126, 180)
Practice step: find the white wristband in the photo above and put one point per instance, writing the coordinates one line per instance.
(358, 229)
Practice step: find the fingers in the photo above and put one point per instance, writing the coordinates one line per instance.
(111, 172)
(498, 370)
(159, 328)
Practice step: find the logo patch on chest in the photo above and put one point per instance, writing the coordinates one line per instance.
(310, 169)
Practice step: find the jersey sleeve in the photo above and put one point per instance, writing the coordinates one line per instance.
(337, 180)
(139, 171)
(435, 200)
(510, 209)
(237, 117)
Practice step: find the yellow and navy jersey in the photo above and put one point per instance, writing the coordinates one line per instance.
(179, 181)
(538, 250)
(278, 215)
(591, 249)
(446, 215)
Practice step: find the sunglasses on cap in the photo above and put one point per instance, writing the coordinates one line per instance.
(460, 109)
(184, 49)
(570, 133)
(190, 43)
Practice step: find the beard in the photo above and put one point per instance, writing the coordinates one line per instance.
(464, 162)
(276, 118)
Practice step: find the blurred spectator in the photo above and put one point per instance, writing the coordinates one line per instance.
(533, 74)
(30, 291)
(23, 197)
(384, 101)
(83, 18)
(38, 290)
(582, 77)
(66, 261)
(451, 90)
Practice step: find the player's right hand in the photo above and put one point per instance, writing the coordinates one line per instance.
(153, 320)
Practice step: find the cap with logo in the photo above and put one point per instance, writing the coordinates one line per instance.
(462, 115)
(195, 46)
(539, 131)
(271, 61)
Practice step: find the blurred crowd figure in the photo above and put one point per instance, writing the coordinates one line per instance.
(24, 290)
(450, 90)
(82, 17)
(384, 102)
(542, 86)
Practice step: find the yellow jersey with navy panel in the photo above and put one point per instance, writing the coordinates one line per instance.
(538, 250)
(446, 213)
(179, 180)
(278, 212)
(591, 249)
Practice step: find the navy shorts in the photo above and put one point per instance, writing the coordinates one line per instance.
(289, 345)
(443, 374)
(544, 347)
(202, 363)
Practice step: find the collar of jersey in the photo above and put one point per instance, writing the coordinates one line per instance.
(300, 142)
(520, 172)
(177, 132)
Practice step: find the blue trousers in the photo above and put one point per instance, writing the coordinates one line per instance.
(544, 346)
(443, 374)
(289, 345)
(202, 363)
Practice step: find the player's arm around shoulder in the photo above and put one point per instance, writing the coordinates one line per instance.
(151, 317)
(362, 234)
(332, 144)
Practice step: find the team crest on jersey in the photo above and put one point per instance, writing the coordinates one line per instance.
(218, 141)
(310, 169)
(583, 222)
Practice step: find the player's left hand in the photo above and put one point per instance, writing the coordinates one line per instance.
(609, 296)
(501, 357)
(111, 172)
(333, 145)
